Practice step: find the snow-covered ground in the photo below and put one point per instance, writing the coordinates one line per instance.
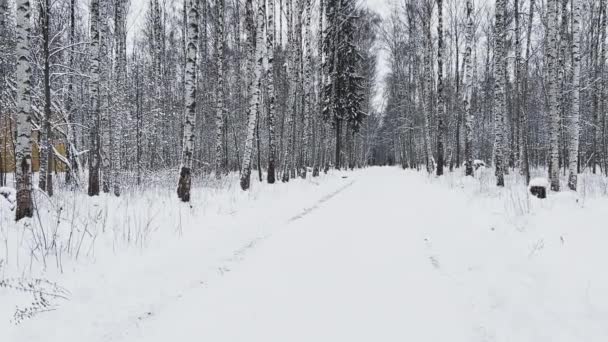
(381, 255)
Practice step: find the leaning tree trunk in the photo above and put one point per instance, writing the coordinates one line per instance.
(94, 112)
(573, 128)
(551, 56)
(468, 91)
(185, 176)
(272, 150)
(499, 92)
(23, 148)
(219, 95)
(255, 63)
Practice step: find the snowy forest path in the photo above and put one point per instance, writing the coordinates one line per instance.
(354, 269)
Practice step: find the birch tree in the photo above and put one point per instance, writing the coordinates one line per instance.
(256, 59)
(499, 91)
(45, 181)
(120, 74)
(468, 90)
(219, 92)
(185, 176)
(440, 100)
(270, 46)
(552, 105)
(23, 148)
(95, 110)
(573, 129)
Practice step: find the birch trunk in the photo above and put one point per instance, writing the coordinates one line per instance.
(440, 101)
(94, 112)
(307, 84)
(185, 177)
(468, 91)
(219, 95)
(551, 57)
(270, 43)
(426, 93)
(23, 148)
(45, 180)
(499, 92)
(573, 128)
(256, 61)
(120, 74)
(106, 174)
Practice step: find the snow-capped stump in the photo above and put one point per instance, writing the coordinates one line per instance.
(538, 187)
(478, 163)
(9, 194)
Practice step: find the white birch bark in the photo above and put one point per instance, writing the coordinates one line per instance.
(23, 148)
(499, 92)
(307, 85)
(440, 100)
(185, 178)
(254, 87)
(270, 42)
(94, 112)
(573, 128)
(468, 90)
(106, 173)
(120, 76)
(426, 92)
(219, 94)
(551, 58)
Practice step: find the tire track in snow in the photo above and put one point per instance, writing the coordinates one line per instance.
(238, 255)
(315, 206)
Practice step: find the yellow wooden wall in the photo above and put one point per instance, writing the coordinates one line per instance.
(7, 152)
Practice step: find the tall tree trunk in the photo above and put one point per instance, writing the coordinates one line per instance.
(104, 130)
(499, 91)
(574, 115)
(524, 153)
(23, 148)
(440, 101)
(426, 89)
(219, 94)
(468, 91)
(94, 113)
(255, 62)
(551, 56)
(185, 177)
(45, 180)
(121, 89)
(270, 43)
(307, 85)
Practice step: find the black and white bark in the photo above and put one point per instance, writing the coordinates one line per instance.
(219, 92)
(552, 87)
(573, 128)
(95, 109)
(256, 58)
(468, 90)
(270, 45)
(23, 148)
(185, 175)
(499, 91)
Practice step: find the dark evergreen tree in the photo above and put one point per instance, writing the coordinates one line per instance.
(343, 91)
